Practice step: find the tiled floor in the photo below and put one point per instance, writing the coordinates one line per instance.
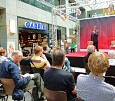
(27, 97)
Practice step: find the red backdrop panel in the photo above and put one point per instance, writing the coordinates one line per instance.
(106, 27)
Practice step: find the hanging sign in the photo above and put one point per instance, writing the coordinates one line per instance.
(33, 25)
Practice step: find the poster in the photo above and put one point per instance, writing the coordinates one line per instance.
(10, 48)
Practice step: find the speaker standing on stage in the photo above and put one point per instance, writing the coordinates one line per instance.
(94, 37)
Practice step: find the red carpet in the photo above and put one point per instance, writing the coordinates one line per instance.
(78, 54)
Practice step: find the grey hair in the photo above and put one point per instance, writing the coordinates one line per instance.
(90, 48)
(16, 53)
(111, 53)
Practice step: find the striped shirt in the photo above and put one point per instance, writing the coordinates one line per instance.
(38, 62)
(93, 88)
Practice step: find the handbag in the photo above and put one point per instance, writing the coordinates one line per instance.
(18, 94)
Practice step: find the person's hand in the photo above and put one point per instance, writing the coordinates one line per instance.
(32, 76)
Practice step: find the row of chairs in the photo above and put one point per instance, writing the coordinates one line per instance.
(8, 87)
(61, 96)
(57, 95)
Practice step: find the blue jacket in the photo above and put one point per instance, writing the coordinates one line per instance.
(9, 69)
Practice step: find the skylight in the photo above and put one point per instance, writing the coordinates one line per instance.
(98, 4)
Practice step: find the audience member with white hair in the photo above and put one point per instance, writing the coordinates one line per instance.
(111, 55)
(10, 69)
(90, 50)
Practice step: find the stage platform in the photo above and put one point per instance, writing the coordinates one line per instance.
(76, 58)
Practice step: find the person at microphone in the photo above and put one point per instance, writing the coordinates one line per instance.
(94, 37)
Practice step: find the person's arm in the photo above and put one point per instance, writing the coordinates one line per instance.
(47, 62)
(92, 36)
(15, 75)
(74, 91)
(71, 84)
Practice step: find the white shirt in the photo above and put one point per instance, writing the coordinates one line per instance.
(111, 61)
(3, 58)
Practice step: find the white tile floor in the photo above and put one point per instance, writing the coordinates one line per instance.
(27, 97)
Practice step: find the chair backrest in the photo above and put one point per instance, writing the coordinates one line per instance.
(89, 42)
(79, 99)
(110, 75)
(8, 85)
(55, 95)
(110, 80)
(110, 71)
(86, 67)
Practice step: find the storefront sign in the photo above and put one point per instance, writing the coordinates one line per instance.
(33, 25)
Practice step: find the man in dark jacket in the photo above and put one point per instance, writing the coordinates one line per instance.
(94, 37)
(47, 54)
(57, 79)
(10, 69)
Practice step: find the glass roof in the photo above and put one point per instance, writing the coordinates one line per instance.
(96, 4)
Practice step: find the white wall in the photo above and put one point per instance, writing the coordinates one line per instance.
(16, 8)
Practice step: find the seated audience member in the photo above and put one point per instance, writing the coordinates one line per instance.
(9, 69)
(67, 66)
(3, 55)
(25, 62)
(47, 54)
(90, 50)
(57, 79)
(39, 60)
(111, 55)
(92, 87)
(66, 46)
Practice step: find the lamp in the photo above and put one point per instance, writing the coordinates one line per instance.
(12, 26)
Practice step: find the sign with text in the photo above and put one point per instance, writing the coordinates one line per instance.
(33, 25)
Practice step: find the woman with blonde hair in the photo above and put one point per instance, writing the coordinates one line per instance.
(92, 87)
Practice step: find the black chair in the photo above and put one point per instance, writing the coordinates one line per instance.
(110, 80)
(86, 67)
(110, 71)
(110, 75)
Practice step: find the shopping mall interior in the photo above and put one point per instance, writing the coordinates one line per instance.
(64, 24)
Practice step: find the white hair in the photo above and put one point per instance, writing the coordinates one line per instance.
(90, 48)
(17, 52)
(111, 54)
